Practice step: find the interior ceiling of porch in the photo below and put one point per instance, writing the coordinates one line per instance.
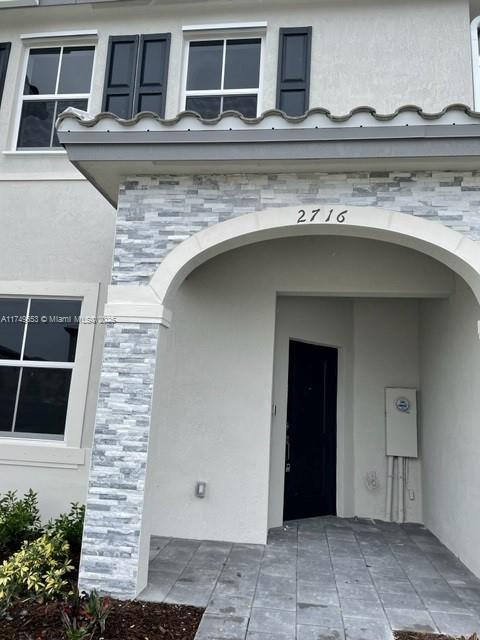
(336, 266)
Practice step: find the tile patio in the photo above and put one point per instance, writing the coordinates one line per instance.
(319, 579)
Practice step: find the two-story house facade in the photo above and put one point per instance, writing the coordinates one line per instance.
(253, 275)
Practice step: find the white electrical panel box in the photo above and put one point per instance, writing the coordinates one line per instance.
(401, 422)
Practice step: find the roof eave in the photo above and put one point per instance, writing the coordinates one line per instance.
(106, 158)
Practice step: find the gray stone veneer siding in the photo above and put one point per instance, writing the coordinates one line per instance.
(119, 459)
(154, 215)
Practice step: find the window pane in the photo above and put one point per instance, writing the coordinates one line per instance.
(36, 124)
(76, 70)
(8, 394)
(242, 64)
(54, 337)
(61, 106)
(42, 405)
(42, 71)
(205, 65)
(206, 106)
(246, 105)
(11, 330)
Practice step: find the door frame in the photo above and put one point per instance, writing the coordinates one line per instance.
(344, 461)
(314, 344)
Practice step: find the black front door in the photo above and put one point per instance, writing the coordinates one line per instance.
(311, 451)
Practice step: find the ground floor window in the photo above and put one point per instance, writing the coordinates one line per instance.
(45, 350)
(38, 339)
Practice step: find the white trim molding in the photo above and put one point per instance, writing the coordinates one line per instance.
(137, 304)
(47, 151)
(474, 33)
(67, 450)
(40, 454)
(60, 35)
(8, 4)
(225, 26)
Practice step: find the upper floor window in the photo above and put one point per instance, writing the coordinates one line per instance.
(223, 75)
(56, 78)
(475, 38)
(4, 55)
(38, 341)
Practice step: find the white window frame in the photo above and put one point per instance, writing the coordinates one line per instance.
(44, 42)
(39, 448)
(6, 4)
(475, 29)
(214, 34)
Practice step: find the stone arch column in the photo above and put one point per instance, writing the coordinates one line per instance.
(116, 537)
(115, 544)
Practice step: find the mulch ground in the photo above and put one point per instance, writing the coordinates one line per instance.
(127, 621)
(410, 635)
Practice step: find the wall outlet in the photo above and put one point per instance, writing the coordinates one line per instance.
(371, 481)
(200, 489)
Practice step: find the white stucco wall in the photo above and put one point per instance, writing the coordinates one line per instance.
(450, 445)
(55, 226)
(386, 343)
(378, 347)
(212, 412)
(379, 53)
(329, 322)
(62, 232)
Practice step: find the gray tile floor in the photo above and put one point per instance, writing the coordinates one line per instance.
(319, 579)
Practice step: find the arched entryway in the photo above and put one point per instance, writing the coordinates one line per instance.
(391, 231)
(450, 247)
(151, 303)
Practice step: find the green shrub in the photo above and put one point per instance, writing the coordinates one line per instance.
(97, 609)
(37, 572)
(85, 614)
(19, 521)
(38, 561)
(73, 632)
(69, 526)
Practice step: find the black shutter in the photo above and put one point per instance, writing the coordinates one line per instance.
(4, 55)
(118, 93)
(152, 73)
(293, 83)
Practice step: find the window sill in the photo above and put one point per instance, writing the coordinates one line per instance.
(35, 152)
(40, 454)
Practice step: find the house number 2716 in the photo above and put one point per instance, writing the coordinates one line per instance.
(331, 216)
